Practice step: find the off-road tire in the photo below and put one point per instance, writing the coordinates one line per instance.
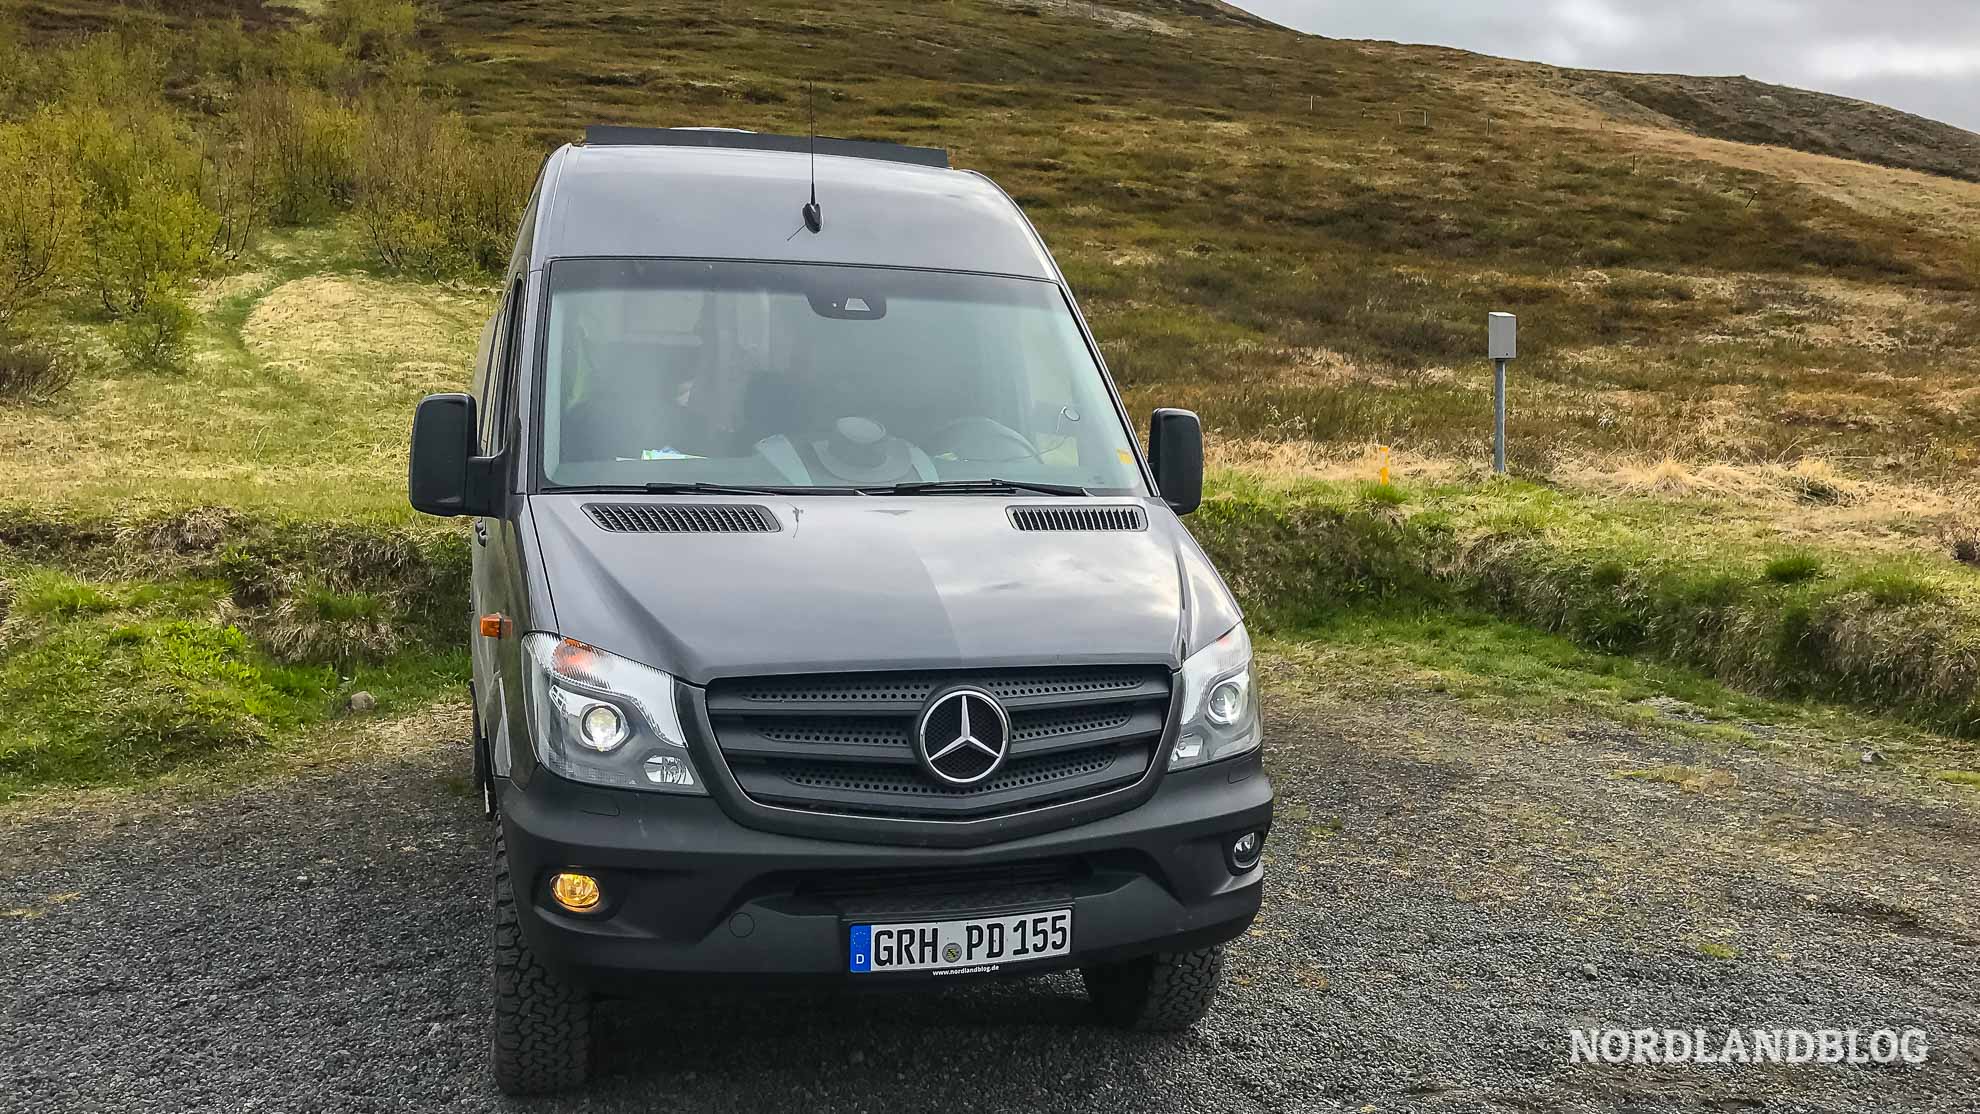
(1162, 993)
(542, 1039)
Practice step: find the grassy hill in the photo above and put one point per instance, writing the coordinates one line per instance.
(1744, 419)
(1263, 226)
(1748, 111)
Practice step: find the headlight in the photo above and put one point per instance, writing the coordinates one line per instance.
(601, 719)
(1220, 706)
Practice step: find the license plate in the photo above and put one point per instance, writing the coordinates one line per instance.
(979, 942)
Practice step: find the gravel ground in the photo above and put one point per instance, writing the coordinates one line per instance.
(1448, 895)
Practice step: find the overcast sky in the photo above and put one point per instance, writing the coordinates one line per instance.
(1918, 55)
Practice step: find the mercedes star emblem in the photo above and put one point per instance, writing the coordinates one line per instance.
(963, 736)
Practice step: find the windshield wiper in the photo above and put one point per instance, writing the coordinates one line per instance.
(976, 487)
(702, 487)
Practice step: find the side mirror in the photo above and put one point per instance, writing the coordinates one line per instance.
(1175, 451)
(444, 477)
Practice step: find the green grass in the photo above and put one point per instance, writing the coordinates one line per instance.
(1616, 576)
(1792, 568)
(132, 648)
(48, 593)
(151, 676)
(1497, 668)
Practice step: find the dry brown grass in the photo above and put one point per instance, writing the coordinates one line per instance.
(1289, 463)
(413, 334)
(1811, 501)
(1942, 203)
(1805, 481)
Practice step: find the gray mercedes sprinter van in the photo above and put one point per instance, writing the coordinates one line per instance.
(829, 620)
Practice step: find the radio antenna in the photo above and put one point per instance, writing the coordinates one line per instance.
(814, 217)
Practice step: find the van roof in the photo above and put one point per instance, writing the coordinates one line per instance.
(608, 135)
(730, 202)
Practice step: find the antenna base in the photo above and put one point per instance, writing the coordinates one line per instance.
(814, 217)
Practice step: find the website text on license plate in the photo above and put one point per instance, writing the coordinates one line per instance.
(978, 941)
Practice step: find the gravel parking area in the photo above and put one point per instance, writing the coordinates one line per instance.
(1448, 896)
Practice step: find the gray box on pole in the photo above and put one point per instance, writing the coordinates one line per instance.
(1503, 338)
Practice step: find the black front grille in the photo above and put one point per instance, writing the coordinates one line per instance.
(682, 518)
(1015, 774)
(843, 743)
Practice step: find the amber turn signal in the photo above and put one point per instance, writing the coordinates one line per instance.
(578, 893)
(494, 626)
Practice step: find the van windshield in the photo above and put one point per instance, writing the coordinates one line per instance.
(797, 375)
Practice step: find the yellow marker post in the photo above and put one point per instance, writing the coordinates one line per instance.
(1382, 454)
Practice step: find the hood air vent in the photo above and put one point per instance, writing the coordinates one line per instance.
(1078, 518)
(683, 518)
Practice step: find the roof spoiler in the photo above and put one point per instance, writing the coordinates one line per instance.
(612, 135)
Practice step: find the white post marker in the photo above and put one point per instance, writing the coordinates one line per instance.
(1504, 339)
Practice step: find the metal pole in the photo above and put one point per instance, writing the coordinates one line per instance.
(1499, 417)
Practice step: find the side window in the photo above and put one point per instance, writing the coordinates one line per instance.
(500, 397)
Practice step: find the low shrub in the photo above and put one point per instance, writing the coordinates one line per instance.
(32, 373)
(296, 148)
(371, 30)
(156, 336)
(41, 221)
(433, 200)
(150, 248)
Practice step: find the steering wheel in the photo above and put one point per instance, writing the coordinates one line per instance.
(979, 438)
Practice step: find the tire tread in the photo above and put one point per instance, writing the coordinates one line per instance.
(542, 1032)
(1162, 993)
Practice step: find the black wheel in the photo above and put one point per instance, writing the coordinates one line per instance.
(542, 1022)
(1161, 993)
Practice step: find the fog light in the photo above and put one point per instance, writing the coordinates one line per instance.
(665, 769)
(1246, 849)
(578, 893)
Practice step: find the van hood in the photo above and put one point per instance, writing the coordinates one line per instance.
(854, 583)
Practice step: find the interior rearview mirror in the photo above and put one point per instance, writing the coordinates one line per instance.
(1175, 452)
(444, 477)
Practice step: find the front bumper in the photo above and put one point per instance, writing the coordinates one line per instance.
(691, 892)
